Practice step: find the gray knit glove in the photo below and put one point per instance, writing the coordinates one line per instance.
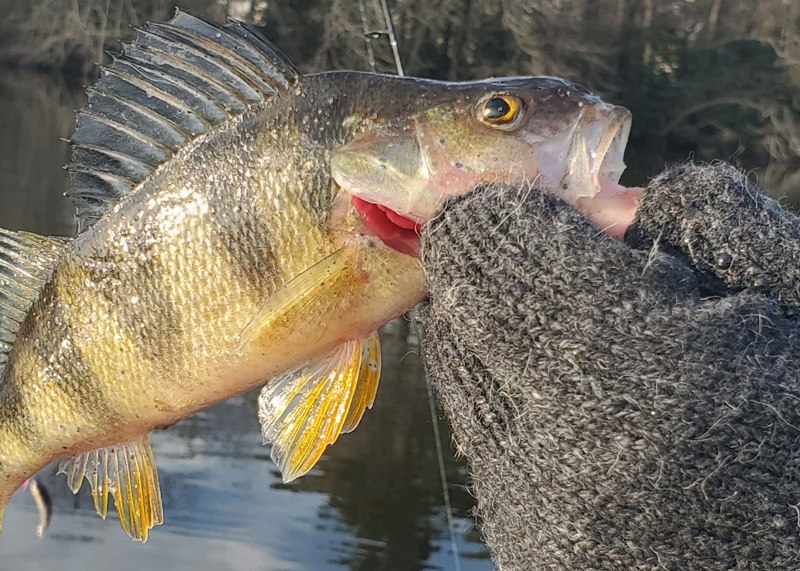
(613, 416)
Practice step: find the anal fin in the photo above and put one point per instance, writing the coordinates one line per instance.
(127, 472)
(303, 412)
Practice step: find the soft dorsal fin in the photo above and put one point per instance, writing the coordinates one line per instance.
(174, 82)
(26, 263)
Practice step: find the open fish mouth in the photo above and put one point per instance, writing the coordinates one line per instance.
(393, 229)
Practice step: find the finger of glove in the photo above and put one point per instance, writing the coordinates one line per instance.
(725, 226)
(506, 262)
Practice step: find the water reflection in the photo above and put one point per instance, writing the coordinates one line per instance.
(383, 481)
(373, 502)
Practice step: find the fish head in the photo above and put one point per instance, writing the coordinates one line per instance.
(541, 131)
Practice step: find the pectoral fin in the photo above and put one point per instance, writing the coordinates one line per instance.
(303, 412)
(318, 291)
(347, 295)
(322, 325)
(126, 471)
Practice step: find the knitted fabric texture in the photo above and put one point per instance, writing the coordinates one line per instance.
(614, 416)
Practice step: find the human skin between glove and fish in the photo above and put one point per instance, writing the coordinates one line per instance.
(243, 224)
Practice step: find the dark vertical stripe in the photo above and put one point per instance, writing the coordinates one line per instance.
(135, 287)
(247, 244)
(55, 347)
(16, 416)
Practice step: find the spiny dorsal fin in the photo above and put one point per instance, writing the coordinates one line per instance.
(303, 412)
(127, 472)
(174, 82)
(26, 263)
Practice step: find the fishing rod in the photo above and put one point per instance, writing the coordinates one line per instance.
(367, 36)
(388, 32)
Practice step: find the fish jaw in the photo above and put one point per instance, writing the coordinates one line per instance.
(566, 147)
(594, 155)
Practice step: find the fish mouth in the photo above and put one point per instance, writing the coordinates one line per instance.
(583, 161)
(395, 230)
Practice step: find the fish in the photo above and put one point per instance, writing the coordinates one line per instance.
(241, 225)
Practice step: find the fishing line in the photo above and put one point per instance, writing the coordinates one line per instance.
(388, 31)
(387, 16)
(442, 473)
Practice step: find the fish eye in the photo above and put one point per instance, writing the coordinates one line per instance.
(500, 111)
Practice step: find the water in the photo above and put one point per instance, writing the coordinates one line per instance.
(373, 502)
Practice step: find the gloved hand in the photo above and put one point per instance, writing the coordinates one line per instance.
(624, 406)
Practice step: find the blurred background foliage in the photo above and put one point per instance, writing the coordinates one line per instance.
(711, 79)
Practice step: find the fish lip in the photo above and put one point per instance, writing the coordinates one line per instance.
(612, 163)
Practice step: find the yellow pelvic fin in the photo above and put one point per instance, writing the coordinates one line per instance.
(126, 471)
(303, 412)
(366, 386)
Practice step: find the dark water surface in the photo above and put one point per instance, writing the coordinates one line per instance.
(374, 501)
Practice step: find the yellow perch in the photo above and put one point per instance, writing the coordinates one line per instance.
(243, 224)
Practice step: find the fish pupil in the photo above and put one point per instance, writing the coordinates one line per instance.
(496, 108)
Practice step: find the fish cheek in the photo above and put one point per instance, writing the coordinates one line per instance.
(449, 147)
(461, 155)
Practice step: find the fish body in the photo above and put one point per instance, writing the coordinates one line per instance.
(140, 324)
(232, 236)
